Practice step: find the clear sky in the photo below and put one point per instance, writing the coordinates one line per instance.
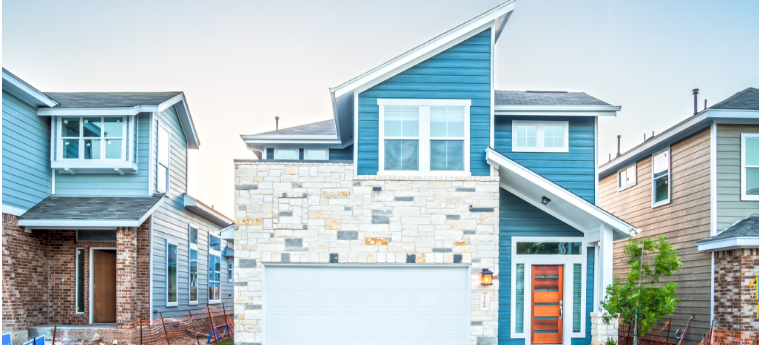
(241, 63)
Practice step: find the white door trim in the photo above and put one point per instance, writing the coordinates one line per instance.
(92, 268)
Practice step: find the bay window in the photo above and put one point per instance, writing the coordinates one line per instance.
(92, 138)
(662, 179)
(540, 136)
(750, 166)
(424, 137)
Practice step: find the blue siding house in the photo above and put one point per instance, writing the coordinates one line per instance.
(95, 184)
(487, 197)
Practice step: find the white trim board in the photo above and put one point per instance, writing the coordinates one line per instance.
(13, 210)
(729, 243)
(25, 92)
(744, 178)
(91, 281)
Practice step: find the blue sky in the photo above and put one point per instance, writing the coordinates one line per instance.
(243, 62)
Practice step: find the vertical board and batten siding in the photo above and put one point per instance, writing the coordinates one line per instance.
(27, 175)
(684, 221)
(112, 184)
(461, 72)
(519, 218)
(573, 170)
(171, 221)
(730, 207)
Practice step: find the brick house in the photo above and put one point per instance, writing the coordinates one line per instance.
(691, 183)
(383, 224)
(98, 228)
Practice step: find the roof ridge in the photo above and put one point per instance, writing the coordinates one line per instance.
(306, 124)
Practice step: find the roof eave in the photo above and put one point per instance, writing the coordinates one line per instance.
(25, 92)
(88, 223)
(711, 245)
(201, 209)
(557, 110)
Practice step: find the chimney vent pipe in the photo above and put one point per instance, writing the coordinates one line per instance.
(695, 101)
(276, 119)
(619, 140)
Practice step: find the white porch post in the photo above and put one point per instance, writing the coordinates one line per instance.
(606, 259)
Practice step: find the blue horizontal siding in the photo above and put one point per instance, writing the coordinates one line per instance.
(573, 170)
(460, 72)
(345, 154)
(27, 176)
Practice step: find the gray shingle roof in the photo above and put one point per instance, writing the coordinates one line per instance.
(746, 227)
(545, 98)
(746, 99)
(73, 207)
(109, 99)
(317, 128)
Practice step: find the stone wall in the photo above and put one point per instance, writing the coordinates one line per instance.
(735, 303)
(322, 213)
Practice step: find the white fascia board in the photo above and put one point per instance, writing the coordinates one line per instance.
(280, 137)
(123, 111)
(495, 159)
(201, 209)
(679, 131)
(185, 119)
(418, 52)
(27, 93)
(228, 233)
(559, 110)
(12, 210)
(729, 243)
(78, 223)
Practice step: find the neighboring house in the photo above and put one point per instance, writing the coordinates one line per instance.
(97, 224)
(689, 183)
(381, 225)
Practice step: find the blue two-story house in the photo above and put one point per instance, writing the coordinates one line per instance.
(98, 227)
(432, 209)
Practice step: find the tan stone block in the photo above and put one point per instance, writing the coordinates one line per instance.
(373, 241)
(320, 215)
(463, 224)
(333, 224)
(420, 258)
(249, 221)
(485, 203)
(335, 193)
(291, 170)
(459, 243)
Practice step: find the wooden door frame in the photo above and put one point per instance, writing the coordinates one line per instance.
(91, 276)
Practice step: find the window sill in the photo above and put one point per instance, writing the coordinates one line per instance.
(628, 187)
(194, 303)
(749, 197)
(214, 302)
(661, 203)
(94, 166)
(422, 173)
(175, 304)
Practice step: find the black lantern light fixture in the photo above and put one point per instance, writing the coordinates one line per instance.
(545, 201)
(486, 277)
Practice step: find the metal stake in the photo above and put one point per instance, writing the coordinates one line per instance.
(140, 328)
(55, 330)
(164, 329)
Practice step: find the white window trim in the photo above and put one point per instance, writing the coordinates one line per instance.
(297, 154)
(568, 262)
(230, 269)
(104, 161)
(424, 135)
(159, 126)
(216, 253)
(655, 204)
(744, 196)
(540, 141)
(76, 282)
(193, 246)
(307, 151)
(166, 266)
(619, 174)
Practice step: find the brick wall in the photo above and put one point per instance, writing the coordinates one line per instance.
(735, 303)
(321, 212)
(39, 269)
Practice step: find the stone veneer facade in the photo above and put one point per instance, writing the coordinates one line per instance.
(735, 303)
(323, 213)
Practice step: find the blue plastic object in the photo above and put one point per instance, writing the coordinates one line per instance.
(7, 339)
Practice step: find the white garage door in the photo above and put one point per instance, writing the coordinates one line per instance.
(395, 305)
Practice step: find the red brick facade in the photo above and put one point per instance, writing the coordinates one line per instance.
(39, 270)
(735, 303)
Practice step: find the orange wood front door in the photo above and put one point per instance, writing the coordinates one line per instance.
(547, 304)
(104, 288)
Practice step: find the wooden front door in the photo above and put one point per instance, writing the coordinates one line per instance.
(104, 287)
(547, 304)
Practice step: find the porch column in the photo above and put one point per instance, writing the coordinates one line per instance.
(606, 260)
(126, 275)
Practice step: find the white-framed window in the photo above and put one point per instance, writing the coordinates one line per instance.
(539, 136)
(92, 138)
(424, 137)
(80, 280)
(193, 283)
(172, 276)
(164, 149)
(750, 166)
(316, 154)
(661, 175)
(627, 177)
(230, 269)
(289, 154)
(214, 269)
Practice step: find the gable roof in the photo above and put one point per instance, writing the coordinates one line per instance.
(747, 99)
(743, 234)
(25, 92)
(110, 99)
(326, 127)
(74, 211)
(545, 98)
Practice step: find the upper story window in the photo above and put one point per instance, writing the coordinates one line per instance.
(424, 137)
(750, 166)
(92, 138)
(214, 269)
(291, 154)
(540, 136)
(627, 177)
(163, 160)
(662, 178)
(316, 155)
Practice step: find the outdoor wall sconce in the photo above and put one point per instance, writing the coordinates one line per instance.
(486, 277)
(545, 201)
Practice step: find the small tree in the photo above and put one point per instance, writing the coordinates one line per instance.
(642, 294)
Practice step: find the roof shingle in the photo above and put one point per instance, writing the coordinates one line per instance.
(545, 98)
(746, 227)
(109, 99)
(74, 207)
(747, 99)
(317, 128)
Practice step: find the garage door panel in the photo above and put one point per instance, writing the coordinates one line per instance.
(328, 299)
(354, 300)
(402, 300)
(280, 300)
(303, 299)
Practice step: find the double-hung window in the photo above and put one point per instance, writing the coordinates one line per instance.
(540, 136)
(662, 178)
(627, 177)
(92, 138)
(424, 137)
(193, 265)
(171, 274)
(750, 166)
(163, 160)
(214, 269)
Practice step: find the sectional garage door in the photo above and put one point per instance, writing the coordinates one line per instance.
(370, 304)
